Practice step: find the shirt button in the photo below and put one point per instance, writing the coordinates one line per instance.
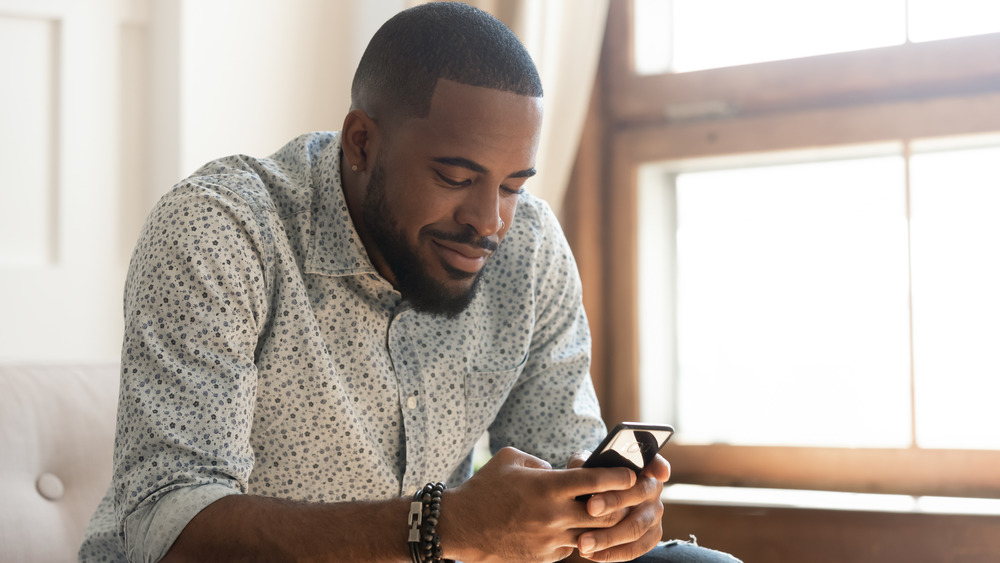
(411, 403)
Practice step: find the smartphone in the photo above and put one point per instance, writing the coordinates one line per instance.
(630, 444)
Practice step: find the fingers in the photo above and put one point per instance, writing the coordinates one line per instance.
(556, 486)
(514, 456)
(514, 508)
(577, 459)
(595, 480)
(588, 482)
(636, 534)
(517, 504)
(646, 489)
(658, 469)
(626, 552)
(533, 462)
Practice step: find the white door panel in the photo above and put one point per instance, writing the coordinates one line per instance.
(61, 260)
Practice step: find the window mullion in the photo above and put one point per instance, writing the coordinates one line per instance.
(909, 288)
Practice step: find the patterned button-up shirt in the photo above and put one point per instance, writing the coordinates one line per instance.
(264, 354)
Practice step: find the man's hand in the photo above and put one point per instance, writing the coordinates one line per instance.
(517, 508)
(637, 511)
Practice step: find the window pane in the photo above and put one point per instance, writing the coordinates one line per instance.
(793, 323)
(653, 36)
(941, 19)
(956, 297)
(718, 33)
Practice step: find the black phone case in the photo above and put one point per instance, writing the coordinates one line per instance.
(645, 441)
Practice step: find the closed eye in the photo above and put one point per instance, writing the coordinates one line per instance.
(451, 182)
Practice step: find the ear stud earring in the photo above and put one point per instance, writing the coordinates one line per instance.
(354, 167)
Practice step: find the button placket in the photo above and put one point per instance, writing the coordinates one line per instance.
(407, 373)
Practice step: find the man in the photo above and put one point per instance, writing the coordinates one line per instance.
(312, 337)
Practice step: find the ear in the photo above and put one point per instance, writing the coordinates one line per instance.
(359, 140)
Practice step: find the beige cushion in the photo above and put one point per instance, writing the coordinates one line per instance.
(56, 439)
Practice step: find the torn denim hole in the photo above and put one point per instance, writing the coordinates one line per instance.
(694, 541)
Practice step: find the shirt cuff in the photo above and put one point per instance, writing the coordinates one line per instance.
(153, 527)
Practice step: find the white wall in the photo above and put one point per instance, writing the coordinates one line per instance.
(116, 100)
(252, 74)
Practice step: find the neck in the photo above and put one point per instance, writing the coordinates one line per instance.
(353, 185)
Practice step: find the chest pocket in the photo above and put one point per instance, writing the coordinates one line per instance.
(486, 391)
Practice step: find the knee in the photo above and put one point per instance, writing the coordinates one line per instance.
(679, 551)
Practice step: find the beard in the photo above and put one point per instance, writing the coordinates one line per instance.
(413, 280)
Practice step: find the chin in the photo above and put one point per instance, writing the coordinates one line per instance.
(459, 289)
(445, 295)
(454, 276)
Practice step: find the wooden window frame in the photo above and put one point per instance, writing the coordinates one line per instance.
(814, 102)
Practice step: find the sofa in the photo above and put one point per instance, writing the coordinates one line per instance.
(57, 426)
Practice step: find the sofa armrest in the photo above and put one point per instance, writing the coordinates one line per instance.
(57, 425)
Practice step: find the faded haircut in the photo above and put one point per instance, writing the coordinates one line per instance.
(415, 48)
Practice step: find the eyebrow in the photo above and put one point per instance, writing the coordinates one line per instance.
(476, 167)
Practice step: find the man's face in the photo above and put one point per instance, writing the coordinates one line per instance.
(443, 192)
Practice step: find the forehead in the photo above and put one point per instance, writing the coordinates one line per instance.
(497, 129)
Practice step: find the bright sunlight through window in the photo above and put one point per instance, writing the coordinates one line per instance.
(788, 302)
(791, 305)
(688, 35)
(956, 297)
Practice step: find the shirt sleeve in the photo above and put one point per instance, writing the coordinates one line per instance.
(153, 527)
(195, 303)
(552, 411)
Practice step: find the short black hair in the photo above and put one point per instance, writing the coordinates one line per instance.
(415, 48)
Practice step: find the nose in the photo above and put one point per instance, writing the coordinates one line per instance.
(480, 209)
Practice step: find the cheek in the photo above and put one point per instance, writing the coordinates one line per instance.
(418, 209)
(406, 206)
(507, 208)
(432, 207)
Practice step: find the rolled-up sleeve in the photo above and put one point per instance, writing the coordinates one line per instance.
(195, 303)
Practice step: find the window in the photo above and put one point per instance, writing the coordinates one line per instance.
(793, 292)
(688, 35)
(791, 307)
(801, 248)
(956, 297)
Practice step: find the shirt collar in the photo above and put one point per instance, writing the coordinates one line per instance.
(336, 248)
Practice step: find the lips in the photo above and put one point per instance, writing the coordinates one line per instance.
(460, 256)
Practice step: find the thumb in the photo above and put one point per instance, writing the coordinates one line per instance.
(577, 459)
(533, 462)
(523, 459)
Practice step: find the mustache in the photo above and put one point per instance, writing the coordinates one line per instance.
(467, 237)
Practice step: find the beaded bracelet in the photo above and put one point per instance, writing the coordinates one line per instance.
(425, 509)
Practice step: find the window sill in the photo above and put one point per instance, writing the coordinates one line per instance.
(783, 526)
(827, 500)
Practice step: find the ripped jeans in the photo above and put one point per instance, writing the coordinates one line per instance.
(679, 551)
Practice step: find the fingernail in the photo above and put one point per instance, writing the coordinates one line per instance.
(586, 544)
(596, 506)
